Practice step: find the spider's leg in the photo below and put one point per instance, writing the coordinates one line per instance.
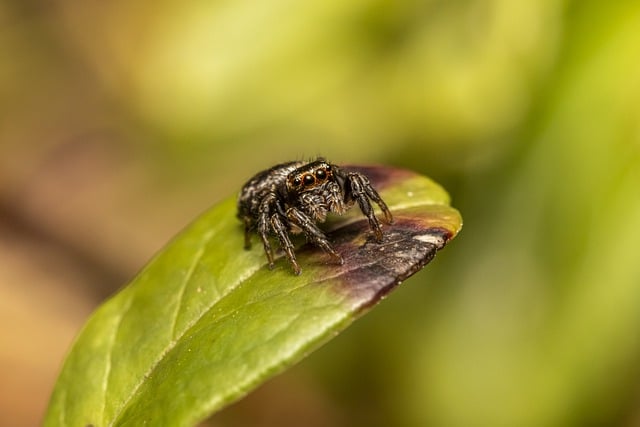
(373, 195)
(247, 232)
(313, 233)
(263, 227)
(356, 188)
(280, 230)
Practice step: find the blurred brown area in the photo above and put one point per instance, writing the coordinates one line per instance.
(121, 121)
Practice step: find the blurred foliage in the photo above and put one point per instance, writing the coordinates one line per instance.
(528, 112)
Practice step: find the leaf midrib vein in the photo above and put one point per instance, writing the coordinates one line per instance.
(112, 339)
(185, 281)
(175, 340)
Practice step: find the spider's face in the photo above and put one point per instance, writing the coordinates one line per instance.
(310, 177)
(313, 188)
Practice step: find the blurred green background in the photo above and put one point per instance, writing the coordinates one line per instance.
(120, 121)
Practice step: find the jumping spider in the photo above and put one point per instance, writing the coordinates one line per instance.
(292, 197)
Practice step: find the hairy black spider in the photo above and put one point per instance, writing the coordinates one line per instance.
(292, 197)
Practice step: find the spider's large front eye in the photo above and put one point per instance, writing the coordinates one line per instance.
(309, 180)
(321, 174)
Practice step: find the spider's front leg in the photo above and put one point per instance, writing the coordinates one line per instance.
(271, 219)
(358, 188)
(280, 229)
(313, 233)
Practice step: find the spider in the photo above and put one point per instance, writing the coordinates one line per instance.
(293, 197)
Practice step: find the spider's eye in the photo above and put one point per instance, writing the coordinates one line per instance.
(321, 174)
(309, 180)
(296, 182)
(327, 167)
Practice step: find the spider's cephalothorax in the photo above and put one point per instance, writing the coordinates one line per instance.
(293, 197)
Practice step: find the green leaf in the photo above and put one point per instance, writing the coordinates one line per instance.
(206, 321)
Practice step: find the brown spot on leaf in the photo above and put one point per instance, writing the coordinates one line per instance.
(371, 270)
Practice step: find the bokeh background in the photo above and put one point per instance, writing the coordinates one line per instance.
(120, 121)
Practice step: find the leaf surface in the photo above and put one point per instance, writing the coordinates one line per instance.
(206, 321)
